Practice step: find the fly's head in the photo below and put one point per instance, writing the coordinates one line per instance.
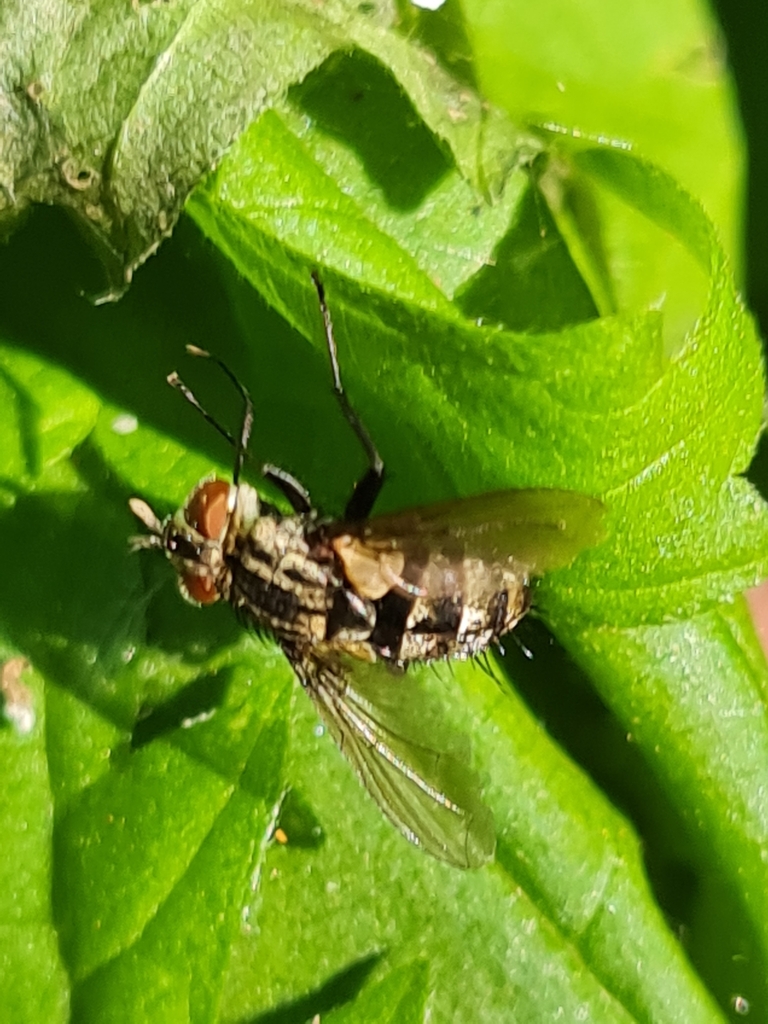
(200, 535)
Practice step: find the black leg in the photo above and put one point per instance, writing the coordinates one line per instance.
(363, 497)
(296, 494)
(368, 487)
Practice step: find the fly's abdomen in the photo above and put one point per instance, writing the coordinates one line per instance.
(460, 609)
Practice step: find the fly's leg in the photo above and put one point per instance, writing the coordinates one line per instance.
(368, 487)
(295, 492)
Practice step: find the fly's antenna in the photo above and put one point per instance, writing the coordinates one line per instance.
(176, 382)
(239, 444)
(374, 459)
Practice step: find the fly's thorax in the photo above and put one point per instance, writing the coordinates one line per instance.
(281, 579)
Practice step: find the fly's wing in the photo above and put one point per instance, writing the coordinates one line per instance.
(431, 796)
(541, 529)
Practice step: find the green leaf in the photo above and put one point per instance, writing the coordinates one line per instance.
(141, 881)
(186, 81)
(47, 413)
(651, 78)
(550, 869)
(400, 997)
(687, 532)
(30, 962)
(199, 905)
(707, 534)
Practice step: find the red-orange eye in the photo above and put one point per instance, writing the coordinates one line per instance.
(207, 509)
(200, 588)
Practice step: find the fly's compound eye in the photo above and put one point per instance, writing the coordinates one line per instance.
(201, 589)
(208, 509)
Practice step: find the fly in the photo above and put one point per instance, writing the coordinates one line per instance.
(353, 602)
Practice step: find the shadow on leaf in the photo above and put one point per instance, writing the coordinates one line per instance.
(341, 988)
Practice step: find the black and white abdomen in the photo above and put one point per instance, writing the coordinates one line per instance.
(462, 608)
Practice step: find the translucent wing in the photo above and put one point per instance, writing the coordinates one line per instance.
(540, 529)
(431, 796)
